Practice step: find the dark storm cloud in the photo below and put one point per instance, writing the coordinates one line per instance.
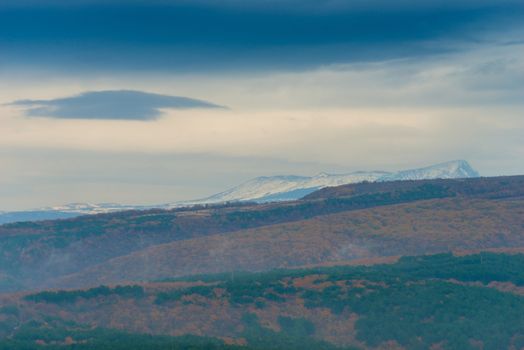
(118, 105)
(206, 34)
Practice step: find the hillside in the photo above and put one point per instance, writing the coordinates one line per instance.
(430, 302)
(421, 227)
(348, 222)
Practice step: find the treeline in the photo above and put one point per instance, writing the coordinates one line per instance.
(295, 334)
(60, 335)
(246, 288)
(307, 209)
(64, 296)
(483, 187)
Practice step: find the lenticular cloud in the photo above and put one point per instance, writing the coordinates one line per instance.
(113, 105)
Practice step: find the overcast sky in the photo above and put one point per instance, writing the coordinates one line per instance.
(145, 102)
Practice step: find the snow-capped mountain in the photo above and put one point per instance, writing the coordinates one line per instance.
(89, 208)
(278, 188)
(450, 170)
(261, 189)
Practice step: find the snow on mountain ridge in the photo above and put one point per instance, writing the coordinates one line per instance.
(448, 170)
(89, 208)
(265, 188)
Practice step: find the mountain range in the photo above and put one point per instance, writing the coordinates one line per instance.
(260, 190)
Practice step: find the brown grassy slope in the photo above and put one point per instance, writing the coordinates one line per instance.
(405, 229)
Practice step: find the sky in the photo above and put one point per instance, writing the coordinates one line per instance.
(147, 102)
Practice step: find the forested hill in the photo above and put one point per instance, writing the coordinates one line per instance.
(430, 302)
(366, 220)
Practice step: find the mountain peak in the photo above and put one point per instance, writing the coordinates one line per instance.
(462, 166)
(320, 175)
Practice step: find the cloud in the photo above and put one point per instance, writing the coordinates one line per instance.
(262, 34)
(115, 105)
(270, 5)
